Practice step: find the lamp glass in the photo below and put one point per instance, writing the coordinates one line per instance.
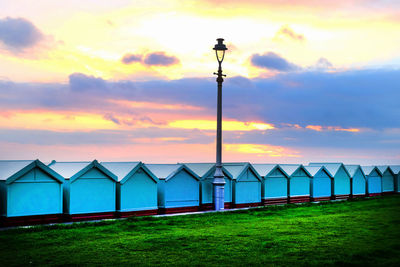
(220, 55)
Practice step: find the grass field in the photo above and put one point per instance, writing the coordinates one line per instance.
(364, 232)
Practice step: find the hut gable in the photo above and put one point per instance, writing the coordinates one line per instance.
(395, 169)
(371, 171)
(168, 171)
(269, 170)
(335, 168)
(353, 170)
(27, 170)
(242, 171)
(206, 170)
(300, 172)
(320, 171)
(277, 172)
(201, 169)
(126, 170)
(295, 170)
(384, 169)
(82, 169)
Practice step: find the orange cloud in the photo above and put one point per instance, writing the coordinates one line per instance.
(56, 121)
(332, 128)
(262, 150)
(226, 125)
(287, 32)
(314, 127)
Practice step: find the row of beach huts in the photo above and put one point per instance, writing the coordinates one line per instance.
(34, 192)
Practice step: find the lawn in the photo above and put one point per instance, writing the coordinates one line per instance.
(362, 232)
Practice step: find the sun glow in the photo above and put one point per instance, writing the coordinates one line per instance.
(45, 120)
(226, 125)
(261, 150)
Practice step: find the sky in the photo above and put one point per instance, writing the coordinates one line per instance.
(307, 81)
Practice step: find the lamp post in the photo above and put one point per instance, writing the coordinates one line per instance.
(219, 181)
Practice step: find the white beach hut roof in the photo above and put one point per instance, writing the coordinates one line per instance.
(11, 167)
(67, 169)
(395, 168)
(264, 169)
(200, 169)
(120, 169)
(352, 169)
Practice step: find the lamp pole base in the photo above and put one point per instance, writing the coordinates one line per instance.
(219, 197)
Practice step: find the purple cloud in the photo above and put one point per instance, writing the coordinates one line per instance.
(160, 59)
(111, 117)
(131, 58)
(272, 61)
(353, 98)
(17, 34)
(364, 99)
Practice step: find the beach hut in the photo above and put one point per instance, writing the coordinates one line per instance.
(206, 173)
(341, 179)
(374, 180)
(89, 190)
(388, 179)
(246, 184)
(136, 188)
(321, 183)
(299, 182)
(30, 192)
(358, 180)
(275, 183)
(396, 171)
(178, 188)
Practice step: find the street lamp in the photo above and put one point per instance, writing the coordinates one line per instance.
(219, 181)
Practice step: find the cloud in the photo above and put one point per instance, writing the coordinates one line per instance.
(19, 37)
(286, 32)
(131, 58)
(272, 61)
(105, 137)
(160, 59)
(111, 117)
(353, 110)
(19, 33)
(151, 59)
(323, 63)
(347, 99)
(82, 82)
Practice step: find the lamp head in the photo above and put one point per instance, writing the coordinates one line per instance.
(220, 48)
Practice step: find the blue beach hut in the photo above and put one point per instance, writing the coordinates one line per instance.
(275, 183)
(136, 188)
(358, 180)
(396, 171)
(89, 190)
(341, 179)
(206, 173)
(374, 180)
(246, 184)
(299, 182)
(178, 188)
(388, 179)
(30, 192)
(321, 183)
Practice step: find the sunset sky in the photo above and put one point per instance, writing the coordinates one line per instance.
(307, 80)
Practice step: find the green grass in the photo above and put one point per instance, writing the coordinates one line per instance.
(364, 232)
